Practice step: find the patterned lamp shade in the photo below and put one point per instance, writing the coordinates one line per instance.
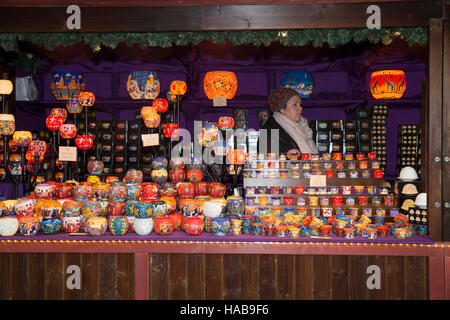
(59, 112)
(68, 131)
(74, 106)
(6, 86)
(160, 104)
(22, 138)
(178, 87)
(152, 121)
(86, 99)
(29, 156)
(66, 85)
(143, 85)
(84, 142)
(236, 156)
(7, 124)
(226, 123)
(54, 122)
(147, 112)
(38, 148)
(171, 130)
(300, 81)
(387, 84)
(220, 84)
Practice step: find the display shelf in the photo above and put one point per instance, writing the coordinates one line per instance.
(289, 182)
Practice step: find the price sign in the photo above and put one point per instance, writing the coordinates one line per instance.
(318, 180)
(151, 139)
(67, 153)
(219, 102)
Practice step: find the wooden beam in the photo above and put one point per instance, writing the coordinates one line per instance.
(204, 18)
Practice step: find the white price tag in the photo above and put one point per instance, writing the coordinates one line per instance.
(219, 102)
(318, 180)
(67, 153)
(151, 139)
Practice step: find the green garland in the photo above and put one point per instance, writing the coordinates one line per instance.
(317, 37)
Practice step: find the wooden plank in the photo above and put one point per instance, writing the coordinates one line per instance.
(177, 276)
(141, 276)
(214, 276)
(107, 284)
(69, 260)
(268, 276)
(357, 266)
(232, 17)
(416, 278)
(394, 278)
(232, 289)
(304, 269)
(434, 133)
(54, 276)
(286, 277)
(159, 281)
(322, 281)
(250, 276)
(196, 277)
(124, 276)
(5, 276)
(36, 268)
(436, 281)
(339, 277)
(19, 279)
(374, 293)
(89, 276)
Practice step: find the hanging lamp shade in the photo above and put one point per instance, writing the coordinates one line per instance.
(59, 112)
(38, 148)
(66, 85)
(54, 122)
(220, 84)
(22, 138)
(84, 142)
(171, 130)
(178, 87)
(74, 106)
(387, 84)
(147, 112)
(86, 99)
(7, 124)
(6, 86)
(300, 81)
(160, 104)
(68, 131)
(143, 85)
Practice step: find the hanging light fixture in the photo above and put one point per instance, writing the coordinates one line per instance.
(387, 84)
(220, 84)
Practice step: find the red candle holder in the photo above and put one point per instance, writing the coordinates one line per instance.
(337, 156)
(337, 201)
(378, 174)
(329, 173)
(305, 156)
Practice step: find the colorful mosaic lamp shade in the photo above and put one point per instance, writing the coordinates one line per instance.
(220, 84)
(22, 138)
(86, 99)
(6, 86)
(68, 131)
(300, 81)
(171, 130)
(160, 104)
(7, 124)
(66, 85)
(54, 122)
(143, 85)
(59, 112)
(74, 106)
(387, 84)
(178, 87)
(84, 142)
(38, 148)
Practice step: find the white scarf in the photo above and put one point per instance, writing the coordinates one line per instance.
(299, 131)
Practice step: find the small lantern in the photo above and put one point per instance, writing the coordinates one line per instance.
(226, 123)
(68, 131)
(160, 104)
(220, 84)
(74, 106)
(6, 86)
(152, 121)
(171, 130)
(29, 156)
(38, 148)
(84, 142)
(22, 138)
(147, 112)
(387, 84)
(54, 122)
(143, 85)
(178, 87)
(59, 112)
(86, 99)
(7, 124)
(66, 85)
(236, 156)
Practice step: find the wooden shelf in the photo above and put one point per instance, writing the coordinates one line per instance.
(289, 182)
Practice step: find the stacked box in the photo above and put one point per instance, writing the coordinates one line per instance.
(364, 134)
(409, 147)
(350, 136)
(379, 115)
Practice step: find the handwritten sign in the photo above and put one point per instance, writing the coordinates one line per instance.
(318, 180)
(151, 139)
(67, 153)
(219, 102)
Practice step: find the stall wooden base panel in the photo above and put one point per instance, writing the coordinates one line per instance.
(39, 268)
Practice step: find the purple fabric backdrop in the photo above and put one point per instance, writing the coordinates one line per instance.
(341, 78)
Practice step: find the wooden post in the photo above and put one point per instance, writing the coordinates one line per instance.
(141, 276)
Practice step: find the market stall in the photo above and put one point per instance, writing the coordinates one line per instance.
(117, 193)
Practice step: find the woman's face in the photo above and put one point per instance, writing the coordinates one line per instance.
(293, 109)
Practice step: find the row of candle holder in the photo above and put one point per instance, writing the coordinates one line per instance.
(321, 211)
(306, 174)
(307, 165)
(336, 156)
(314, 201)
(300, 190)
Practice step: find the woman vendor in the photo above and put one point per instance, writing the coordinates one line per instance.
(295, 136)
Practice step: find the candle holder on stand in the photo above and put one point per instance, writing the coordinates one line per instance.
(38, 149)
(86, 99)
(67, 131)
(74, 107)
(22, 139)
